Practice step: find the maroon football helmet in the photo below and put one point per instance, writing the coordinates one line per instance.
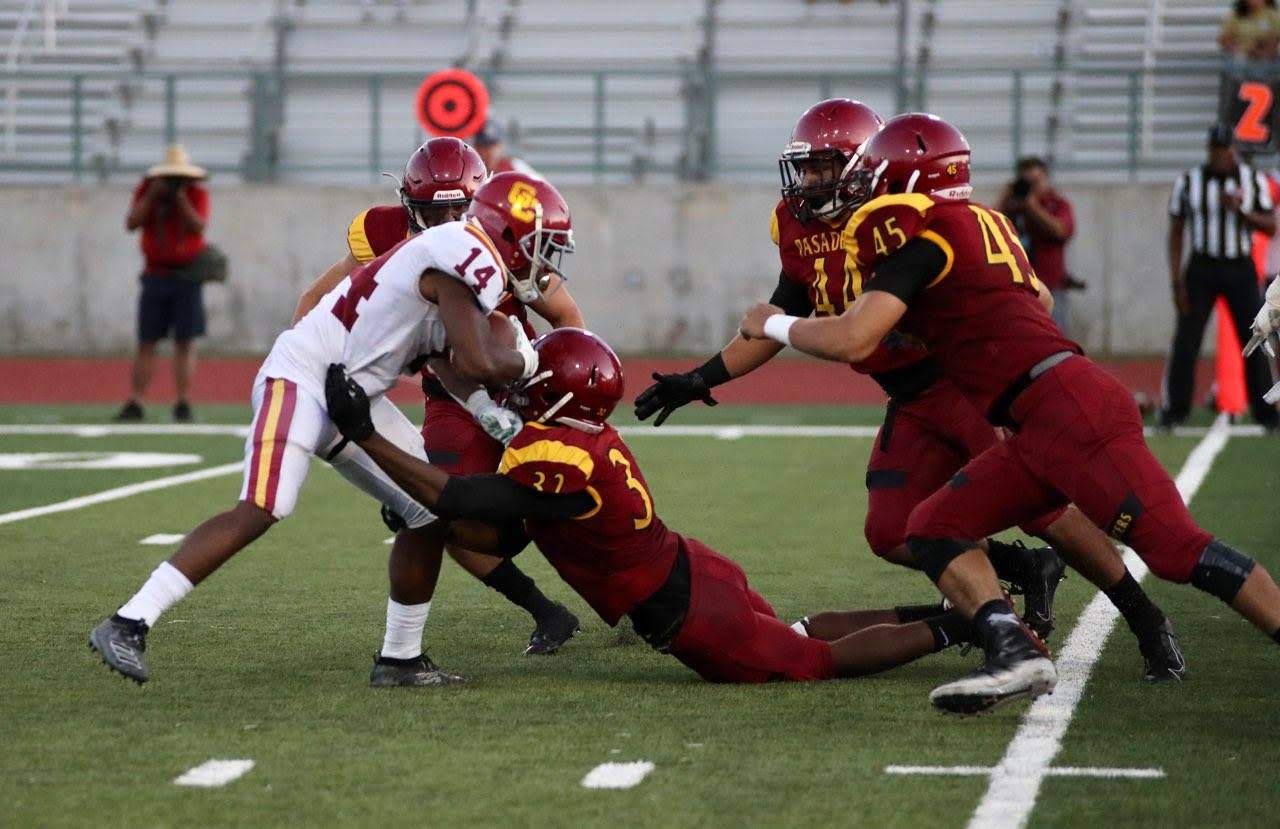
(529, 223)
(914, 153)
(578, 384)
(816, 166)
(441, 177)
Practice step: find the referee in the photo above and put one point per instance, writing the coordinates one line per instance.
(1223, 202)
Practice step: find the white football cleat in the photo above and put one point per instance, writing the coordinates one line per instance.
(996, 683)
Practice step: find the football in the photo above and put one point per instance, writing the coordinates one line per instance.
(500, 329)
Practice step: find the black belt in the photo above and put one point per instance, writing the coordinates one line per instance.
(658, 619)
(910, 381)
(998, 414)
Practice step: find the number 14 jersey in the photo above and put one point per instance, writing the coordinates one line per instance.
(377, 322)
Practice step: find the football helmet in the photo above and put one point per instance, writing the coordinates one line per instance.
(822, 146)
(914, 153)
(528, 222)
(578, 384)
(441, 177)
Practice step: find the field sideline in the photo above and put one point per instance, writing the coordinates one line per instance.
(268, 661)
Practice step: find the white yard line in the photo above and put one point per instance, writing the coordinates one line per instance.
(121, 492)
(163, 539)
(617, 775)
(1015, 783)
(1057, 771)
(213, 773)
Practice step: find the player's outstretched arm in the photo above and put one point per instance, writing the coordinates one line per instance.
(323, 284)
(476, 355)
(558, 307)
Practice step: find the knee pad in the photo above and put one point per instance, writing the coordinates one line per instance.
(934, 555)
(1221, 571)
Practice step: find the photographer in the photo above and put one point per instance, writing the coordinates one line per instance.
(171, 208)
(1046, 223)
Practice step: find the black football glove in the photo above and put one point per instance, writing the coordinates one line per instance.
(670, 393)
(348, 404)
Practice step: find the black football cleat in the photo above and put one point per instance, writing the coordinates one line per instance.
(1017, 666)
(1162, 657)
(1045, 571)
(404, 673)
(130, 412)
(552, 632)
(182, 412)
(122, 644)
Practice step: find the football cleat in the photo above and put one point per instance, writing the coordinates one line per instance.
(182, 412)
(1017, 666)
(419, 671)
(1162, 657)
(552, 632)
(130, 412)
(121, 643)
(1045, 570)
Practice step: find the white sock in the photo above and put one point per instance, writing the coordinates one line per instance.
(403, 639)
(165, 588)
(799, 627)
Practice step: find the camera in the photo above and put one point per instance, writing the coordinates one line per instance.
(1020, 188)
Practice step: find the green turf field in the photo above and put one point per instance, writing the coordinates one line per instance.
(269, 659)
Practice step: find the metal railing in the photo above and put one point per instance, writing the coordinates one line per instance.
(612, 146)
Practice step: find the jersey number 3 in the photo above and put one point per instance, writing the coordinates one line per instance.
(619, 459)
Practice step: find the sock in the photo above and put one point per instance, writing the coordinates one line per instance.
(908, 613)
(164, 588)
(992, 614)
(1129, 598)
(950, 628)
(802, 627)
(403, 639)
(510, 581)
(1008, 560)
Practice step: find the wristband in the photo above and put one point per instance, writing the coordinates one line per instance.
(714, 372)
(478, 402)
(778, 327)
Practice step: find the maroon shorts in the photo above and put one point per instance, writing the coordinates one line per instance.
(455, 442)
(731, 634)
(921, 445)
(1080, 441)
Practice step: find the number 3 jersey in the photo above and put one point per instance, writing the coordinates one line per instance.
(377, 322)
(979, 312)
(619, 553)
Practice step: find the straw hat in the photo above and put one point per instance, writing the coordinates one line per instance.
(176, 163)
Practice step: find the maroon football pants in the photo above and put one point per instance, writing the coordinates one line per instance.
(1080, 441)
(455, 442)
(920, 446)
(731, 634)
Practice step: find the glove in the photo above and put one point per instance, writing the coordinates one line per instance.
(670, 393)
(1266, 322)
(525, 349)
(498, 422)
(348, 404)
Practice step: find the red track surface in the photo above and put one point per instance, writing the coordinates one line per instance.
(221, 380)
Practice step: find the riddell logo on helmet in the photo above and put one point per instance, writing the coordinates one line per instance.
(798, 148)
(448, 195)
(524, 201)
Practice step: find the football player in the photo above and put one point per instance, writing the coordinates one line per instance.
(930, 429)
(428, 294)
(953, 273)
(464, 434)
(570, 482)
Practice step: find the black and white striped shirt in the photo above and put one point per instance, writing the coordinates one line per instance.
(1215, 230)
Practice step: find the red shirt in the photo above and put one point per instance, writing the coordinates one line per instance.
(620, 553)
(980, 318)
(166, 242)
(1049, 253)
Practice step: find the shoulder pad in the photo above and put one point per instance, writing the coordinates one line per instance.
(774, 232)
(884, 224)
(462, 250)
(538, 459)
(358, 239)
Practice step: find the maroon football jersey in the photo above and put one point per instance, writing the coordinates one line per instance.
(618, 554)
(812, 255)
(980, 318)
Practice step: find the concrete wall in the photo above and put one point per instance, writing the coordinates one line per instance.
(657, 269)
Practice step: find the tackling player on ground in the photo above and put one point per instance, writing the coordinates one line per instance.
(465, 434)
(930, 429)
(570, 482)
(954, 274)
(428, 294)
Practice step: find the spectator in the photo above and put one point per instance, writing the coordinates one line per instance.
(1222, 203)
(1046, 223)
(1250, 35)
(493, 151)
(171, 208)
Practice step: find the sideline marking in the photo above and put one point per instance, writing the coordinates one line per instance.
(1015, 782)
(163, 539)
(121, 492)
(213, 773)
(94, 460)
(1061, 771)
(617, 775)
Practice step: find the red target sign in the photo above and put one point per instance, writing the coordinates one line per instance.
(452, 102)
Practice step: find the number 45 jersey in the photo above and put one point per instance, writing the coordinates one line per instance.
(377, 322)
(980, 314)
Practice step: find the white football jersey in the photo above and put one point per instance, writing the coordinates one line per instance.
(377, 322)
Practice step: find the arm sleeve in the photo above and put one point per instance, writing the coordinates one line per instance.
(791, 297)
(909, 270)
(499, 498)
